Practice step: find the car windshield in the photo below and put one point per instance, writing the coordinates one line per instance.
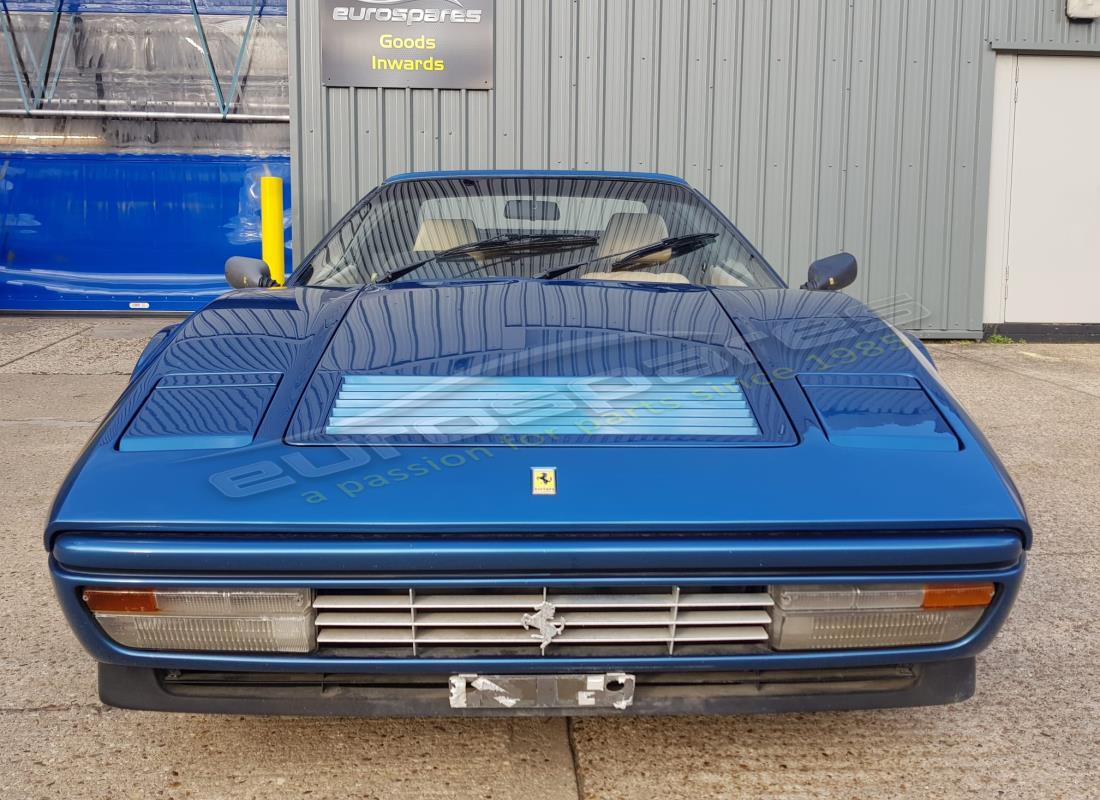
(535, 227)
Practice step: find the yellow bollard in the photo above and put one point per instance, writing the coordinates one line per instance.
(271, 227)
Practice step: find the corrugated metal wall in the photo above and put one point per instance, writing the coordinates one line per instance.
(817, 125)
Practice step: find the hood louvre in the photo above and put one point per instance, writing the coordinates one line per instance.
(566, 407)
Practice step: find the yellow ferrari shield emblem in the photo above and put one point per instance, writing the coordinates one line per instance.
(544, 480)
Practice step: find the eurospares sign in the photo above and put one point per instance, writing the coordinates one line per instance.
(419, 44)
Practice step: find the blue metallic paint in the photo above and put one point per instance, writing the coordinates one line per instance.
(536, 173)
(948, 551)
(807, 510)
(153, 348)
(298, 332)
(198, 417)
(899, 418)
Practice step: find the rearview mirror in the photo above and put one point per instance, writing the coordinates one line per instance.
(833, 273)
(242, 272)
(532, 210)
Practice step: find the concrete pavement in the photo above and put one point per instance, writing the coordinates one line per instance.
(1031, 732)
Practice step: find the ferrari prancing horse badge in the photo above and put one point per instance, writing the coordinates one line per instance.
(544, 480)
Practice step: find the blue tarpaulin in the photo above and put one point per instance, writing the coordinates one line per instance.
(114, 232)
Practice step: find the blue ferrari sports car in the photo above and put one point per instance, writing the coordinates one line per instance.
(535, 443)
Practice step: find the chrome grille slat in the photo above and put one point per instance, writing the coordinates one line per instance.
(458, 619)
(706, 600)
(492, 636)
(561, 600)
(488, 620)
(425, 601)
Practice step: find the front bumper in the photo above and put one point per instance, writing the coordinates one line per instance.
(762, 681)
(403, 695)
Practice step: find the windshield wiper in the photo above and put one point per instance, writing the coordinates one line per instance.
(511, 242)
(679, 245)
(503, 244)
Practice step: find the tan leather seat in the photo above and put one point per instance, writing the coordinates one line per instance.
(628, 232)
(716, 276)
(436, 235)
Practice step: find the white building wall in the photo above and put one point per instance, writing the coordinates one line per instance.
(1043, 249)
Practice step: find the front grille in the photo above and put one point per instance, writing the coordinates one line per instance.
(661, 620)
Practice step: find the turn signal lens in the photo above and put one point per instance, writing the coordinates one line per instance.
(957, 595)
(120, 600)
(822, 617)
(216, 620)
(199, 602)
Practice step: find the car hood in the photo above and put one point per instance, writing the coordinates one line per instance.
(228, 425)
(578, 363)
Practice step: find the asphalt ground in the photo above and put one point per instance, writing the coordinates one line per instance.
(1032, 730)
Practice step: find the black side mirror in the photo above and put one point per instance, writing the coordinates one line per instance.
(242, 272)
(833, 273)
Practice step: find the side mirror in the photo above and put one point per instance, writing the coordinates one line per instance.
(833, 273)
(242, 272)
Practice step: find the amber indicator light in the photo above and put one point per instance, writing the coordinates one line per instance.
(124, 600)
(957, 595)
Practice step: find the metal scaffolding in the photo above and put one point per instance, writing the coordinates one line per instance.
(37, 74)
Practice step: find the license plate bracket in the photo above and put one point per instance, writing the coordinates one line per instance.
(612, 690)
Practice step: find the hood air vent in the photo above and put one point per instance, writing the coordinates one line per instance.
(567, 407)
